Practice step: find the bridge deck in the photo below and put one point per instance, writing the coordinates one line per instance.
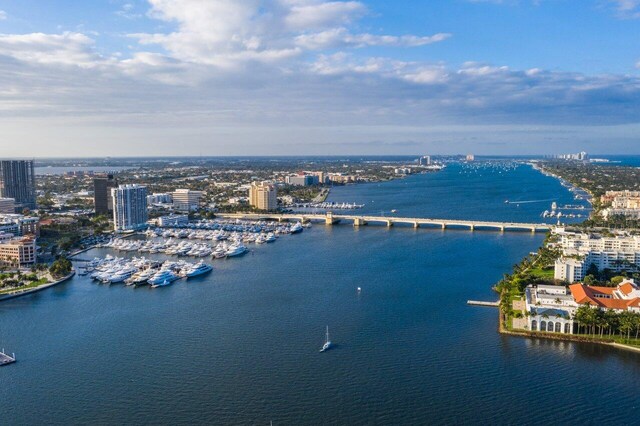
(331, 218)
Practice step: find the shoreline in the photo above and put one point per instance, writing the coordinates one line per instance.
(574, 338)
(19, 293)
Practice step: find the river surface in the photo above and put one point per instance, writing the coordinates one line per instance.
(240, 346)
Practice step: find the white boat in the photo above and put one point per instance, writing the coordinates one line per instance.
(296, 228)
(198, 269)
(327, 343)
(236, 250)
(122, 275)
(162, 278)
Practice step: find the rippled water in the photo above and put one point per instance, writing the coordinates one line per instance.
(241, 345)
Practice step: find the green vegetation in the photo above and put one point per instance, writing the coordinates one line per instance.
(598, 179)
(534, 269)
(60, 268)
(17, 280)
(622, 327)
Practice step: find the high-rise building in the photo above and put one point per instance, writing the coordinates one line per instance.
(129, 207)
(17, 181)
(102, 193)
(186, 200)
(7, 205)
(425, 160)
(263, 196)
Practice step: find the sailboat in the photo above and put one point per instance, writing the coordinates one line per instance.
(327, 343)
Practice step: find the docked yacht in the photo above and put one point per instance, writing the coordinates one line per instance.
(236, 250)
(121, 275)
(141, 277)
(198, 269)
(162, 278)
(297, 228)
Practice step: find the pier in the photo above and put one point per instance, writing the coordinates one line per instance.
(481, 303)
(6, 359)
(331, 218)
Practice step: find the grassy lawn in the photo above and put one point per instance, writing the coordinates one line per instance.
(24, 287)
(545, 273)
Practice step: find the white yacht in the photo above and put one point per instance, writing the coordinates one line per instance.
(236, 250)
(122, 275)
(327, 343)
(162, 278)
(198, 269)
(297, 228)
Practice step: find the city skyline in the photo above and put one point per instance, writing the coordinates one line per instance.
(313, 77)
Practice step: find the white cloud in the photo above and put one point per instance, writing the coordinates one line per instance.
(306, 15)
(3, 15)
(229, 33)
(235, 66)
(341, 38)
(68, 48)
(627, 8)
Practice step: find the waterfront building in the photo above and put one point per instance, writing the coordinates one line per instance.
(186, 200)
(580, 156)
(341, 178)
(402, 171)
(580, 251)
(173, 220)
(102, 200)
(263, 196)
(302, 180)
(129, 207)
(471, 157)
(624, 297)
(549, 308)
(18, 252)
(17, 181)
(7, 205)
(621, 203)
(425, 160)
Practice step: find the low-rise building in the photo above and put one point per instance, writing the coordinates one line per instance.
(18, 252)
(173, 220)
(19, 225)
(552, 308)
(302, 180)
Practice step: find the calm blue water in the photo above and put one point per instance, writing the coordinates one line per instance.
(241, 345)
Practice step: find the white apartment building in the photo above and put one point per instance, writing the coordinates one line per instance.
(129, 207)
(173, 220)
(580, 251)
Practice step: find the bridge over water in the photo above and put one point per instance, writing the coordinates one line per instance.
(417, 222)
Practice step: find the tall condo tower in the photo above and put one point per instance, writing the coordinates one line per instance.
(17, 181)
(129, 207)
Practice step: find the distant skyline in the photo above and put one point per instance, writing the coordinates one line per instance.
(315, 77)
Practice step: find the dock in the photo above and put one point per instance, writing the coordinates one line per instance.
(6, 359)
(481, 303)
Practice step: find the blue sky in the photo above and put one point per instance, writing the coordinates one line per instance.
(228, 77)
